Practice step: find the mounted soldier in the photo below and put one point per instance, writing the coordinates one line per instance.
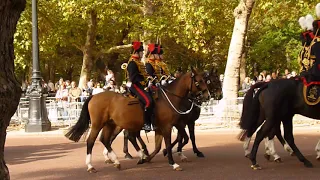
(137, 75)
(315, 48)
(151, 68)
(306, 38)
(162, 67)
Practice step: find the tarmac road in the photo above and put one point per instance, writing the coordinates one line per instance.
(52, 156)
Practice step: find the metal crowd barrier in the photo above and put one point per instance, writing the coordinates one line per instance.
(67, 113)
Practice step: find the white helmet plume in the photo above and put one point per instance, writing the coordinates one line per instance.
(302, 22)
(309, 20)
(318, 10)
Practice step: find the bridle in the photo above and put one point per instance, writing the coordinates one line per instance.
(191, 96)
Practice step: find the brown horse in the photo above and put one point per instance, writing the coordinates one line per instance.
(214, 87)
(110, 110)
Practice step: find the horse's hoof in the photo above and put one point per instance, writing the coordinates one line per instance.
(118, 166)
(308, 164)
(164, 152)
(128, 156)
(292, 154)
(108, 161)
(278, 160)
(256, 167)
(141, 161)
(267, 156)
(92, 170)
(318, 158)
(200, 154)
(247, 155)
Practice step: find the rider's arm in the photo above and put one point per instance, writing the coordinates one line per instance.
(150, 70)
(133, 72)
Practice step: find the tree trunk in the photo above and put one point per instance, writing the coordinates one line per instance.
(147, 11)
(10, 89)
(243, 63)
(88, 50)
(231, 77)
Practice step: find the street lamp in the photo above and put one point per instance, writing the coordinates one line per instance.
(38, 116)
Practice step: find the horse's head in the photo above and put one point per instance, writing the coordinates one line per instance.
(198, 88)
(214, 84)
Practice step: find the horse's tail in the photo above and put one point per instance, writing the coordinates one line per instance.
(251, 109)
(82, 125)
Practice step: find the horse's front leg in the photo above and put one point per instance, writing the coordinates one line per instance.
(167, 139)
(193, 139)
(158, 141)
(318, 150)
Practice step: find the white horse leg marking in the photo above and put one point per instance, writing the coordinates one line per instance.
(88, 161)
(182, 156)
(272, 150)
(266, 145)
(175, 166)
(106, 157)
(318, 150)
(141, 154)
(288, 148)
(246, 146)
(113, 157)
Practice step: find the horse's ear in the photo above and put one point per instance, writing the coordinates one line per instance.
(212, 70)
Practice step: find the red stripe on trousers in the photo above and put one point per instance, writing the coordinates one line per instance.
(143, 95)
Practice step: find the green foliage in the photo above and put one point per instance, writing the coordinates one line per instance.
(192, 32)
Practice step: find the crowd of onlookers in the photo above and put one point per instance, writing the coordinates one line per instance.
(65, 90)
(263, 76)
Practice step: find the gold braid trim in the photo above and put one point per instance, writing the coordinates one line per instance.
(305, 97)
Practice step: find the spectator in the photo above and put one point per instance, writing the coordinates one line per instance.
(68, 85)
(287, 74)
(62, 93)
(97, 90)
(111, 86)
(260, 78)
(90, 88)
(245, 85)
(51, 87)
(268, 78)
(74, 92)
(274, 76)
(109, 76)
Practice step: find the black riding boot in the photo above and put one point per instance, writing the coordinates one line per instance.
(148, 120)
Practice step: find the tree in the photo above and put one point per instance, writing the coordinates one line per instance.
(231, 78)
(10, 90)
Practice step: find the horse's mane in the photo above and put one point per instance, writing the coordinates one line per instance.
(176, 81)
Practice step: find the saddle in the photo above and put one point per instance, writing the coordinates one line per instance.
(152, 90)
(311, 92)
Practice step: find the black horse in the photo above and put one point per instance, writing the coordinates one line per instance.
(279, 100)
(276, 131)
(214, 86)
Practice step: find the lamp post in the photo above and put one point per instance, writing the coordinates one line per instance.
(38, 116)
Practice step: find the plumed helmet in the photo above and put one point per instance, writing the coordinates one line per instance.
(137, 46)
(152, 49)
(302, 22)
(159, 49)
(308, 22)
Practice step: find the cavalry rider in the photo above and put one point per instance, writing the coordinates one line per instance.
(306, 37)
(137, 73)
(315, 47)
(162, 67)
(151, 64)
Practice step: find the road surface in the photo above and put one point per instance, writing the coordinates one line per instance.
(52, 156)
